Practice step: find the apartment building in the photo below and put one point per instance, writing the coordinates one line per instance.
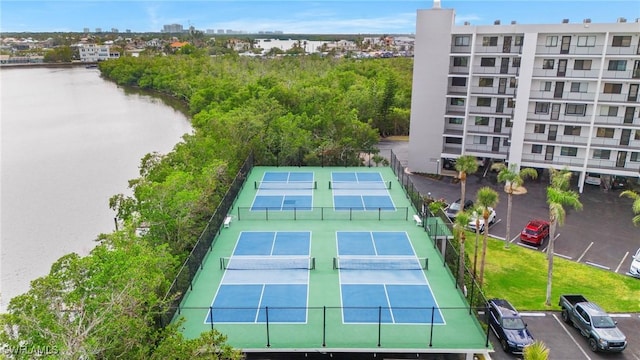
(549, 95)
(94, 53)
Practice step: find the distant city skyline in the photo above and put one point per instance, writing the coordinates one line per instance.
(292, 17)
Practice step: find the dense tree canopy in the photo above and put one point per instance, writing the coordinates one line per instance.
(291, 110)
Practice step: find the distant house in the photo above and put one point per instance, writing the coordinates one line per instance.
(178, 45)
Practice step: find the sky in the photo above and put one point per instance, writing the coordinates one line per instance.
(293, 16)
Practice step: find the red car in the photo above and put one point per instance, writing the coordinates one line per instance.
(535, 232)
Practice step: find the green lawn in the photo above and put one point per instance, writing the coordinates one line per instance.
(519, 275)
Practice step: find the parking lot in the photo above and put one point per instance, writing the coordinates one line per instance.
(601, 235)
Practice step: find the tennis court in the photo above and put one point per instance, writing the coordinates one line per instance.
(267, 270)
(282, 190)
(382, 280)
(327, 279)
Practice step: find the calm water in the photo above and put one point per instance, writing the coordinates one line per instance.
(69, 141)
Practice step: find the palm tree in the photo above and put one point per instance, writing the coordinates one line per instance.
(486, 198)
(460, 224)
(558, 195)
(513, 180)
(465, 164)
(536, 351)
(636, 204)
(476, 213)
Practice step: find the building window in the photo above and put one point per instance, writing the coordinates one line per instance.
(461, 41)
(621, 41)
(486, 82)
(579, 87)
(576, 109)
(482, 120)
(542, 107)
(582, 65)
(637, 135)
(612, 88)
(457, 101)
(635, 157)
(547, 63)
(589, 41)
(508, 123)
(488, 62)
(551, 41)
(572, 130)
(506, 142)
(617, 65)
(546, 86)
(609, 111)
(458, 81)
(452, 140)
(513, 83)
(519, 40)
(480, 140)
(511, 103)
(605, 132)
(456, 121)
(568, 151)
(460, 61)
(601, 154)
(516, 62)
(489, 41)
(536, 149)
(484, 102)
(538, 128)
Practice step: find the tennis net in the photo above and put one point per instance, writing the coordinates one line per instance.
(267, 263)
(380, 263)
(286, 185)
(364, 185)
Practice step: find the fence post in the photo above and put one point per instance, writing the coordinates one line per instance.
(379, 324)
(433, 311)
(266, 311)
(324, 326)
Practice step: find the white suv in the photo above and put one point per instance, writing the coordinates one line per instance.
(634, 270)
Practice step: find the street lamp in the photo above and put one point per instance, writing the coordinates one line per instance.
(438, 167)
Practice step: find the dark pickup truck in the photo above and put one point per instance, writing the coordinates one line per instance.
(593, 322)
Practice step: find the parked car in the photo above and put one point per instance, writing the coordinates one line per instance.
(508, 326)
(593, 322)
(449, 164)
(454, 208)
(618, 182)
(492, 219)
(535, 232)
(592, 179)
(634, 269)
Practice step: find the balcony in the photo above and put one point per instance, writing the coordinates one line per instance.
(623, 50)
(621, 75)
(497, 50)
(587, 51)
(621, 98)
(566, 95)
(459, 70)
(460, 49)
(493, 90)
(494, 70)
(458, 91)
(570, 73)
(489, 111)
(613, 120)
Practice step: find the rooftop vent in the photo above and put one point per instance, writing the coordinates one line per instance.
(497, 22)
(586, 21)
(622, 20)
(467, 23)
(565, 21)
(513, 22)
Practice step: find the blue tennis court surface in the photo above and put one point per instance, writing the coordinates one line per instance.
(360, 191)
(381, 280)
(266, 278)
(284, 190)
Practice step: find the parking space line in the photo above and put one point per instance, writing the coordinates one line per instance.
(571, 336)
(563, 256)
(544, 250)
(622, 261)
(597, 265)
(585, 252)
(515, 237)
(528, 246)
(533, 314)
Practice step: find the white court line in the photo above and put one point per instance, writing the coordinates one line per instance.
(622, 261)
(571, 336)
(585, 252)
